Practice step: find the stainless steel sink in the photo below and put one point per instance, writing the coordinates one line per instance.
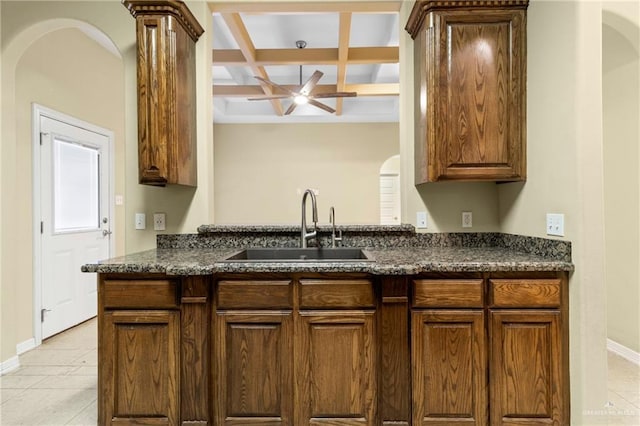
(282, 254)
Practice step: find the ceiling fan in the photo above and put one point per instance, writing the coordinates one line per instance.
(302, 95)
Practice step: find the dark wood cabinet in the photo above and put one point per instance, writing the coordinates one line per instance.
(449, 368)
(153, 350)
(335, 351)
(140, 367)
(448, 352)
(470, 90)
(336, 368)
(529, 361)
(349, 349)
(166, 33)
(253, 352)
(526, 380)
(254, 368)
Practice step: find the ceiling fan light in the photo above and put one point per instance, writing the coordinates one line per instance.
(300, 99)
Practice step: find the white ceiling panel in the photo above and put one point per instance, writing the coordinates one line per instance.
(364, 59)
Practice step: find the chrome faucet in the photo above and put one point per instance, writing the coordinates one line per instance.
(304, 234)
(332, 219)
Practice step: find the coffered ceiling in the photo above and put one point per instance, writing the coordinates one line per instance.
(355, 45)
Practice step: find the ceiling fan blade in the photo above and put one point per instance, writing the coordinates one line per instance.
(321, 106)
(291, 108)
(276, 85)
(336, 95)
(311, 83)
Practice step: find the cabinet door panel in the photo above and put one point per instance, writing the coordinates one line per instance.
(336, 380)
(254, 371)
(481, 116)
(526, 379)
(449, 365)
(141, 367)
(475, 63)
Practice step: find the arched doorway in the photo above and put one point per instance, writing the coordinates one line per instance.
(73, 67)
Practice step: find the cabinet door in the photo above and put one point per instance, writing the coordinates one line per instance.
(526, 368)
(449, 367)
(335, 368)
(166, 35)
(472, 96)
(140, 367)
(254, 382)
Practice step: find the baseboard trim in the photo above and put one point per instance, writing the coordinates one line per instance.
(9, 365)
(25, 346)
(623, 351)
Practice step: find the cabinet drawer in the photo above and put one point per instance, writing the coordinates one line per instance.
(525, 293)
(336, 294)
(140, 294)
(254, 294)
(447, 293)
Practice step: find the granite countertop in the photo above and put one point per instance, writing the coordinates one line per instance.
(394, 250)
(387, 261)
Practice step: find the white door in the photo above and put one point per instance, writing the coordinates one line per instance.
(75, 220)
(390, 199)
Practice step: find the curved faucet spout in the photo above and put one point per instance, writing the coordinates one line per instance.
(305, 235)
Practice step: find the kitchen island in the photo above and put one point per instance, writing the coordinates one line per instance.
(438, 329)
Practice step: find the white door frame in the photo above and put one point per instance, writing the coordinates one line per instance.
(38, 111)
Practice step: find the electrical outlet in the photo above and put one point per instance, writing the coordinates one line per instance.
(555, 224)
(421, 220)
(467, 219)
(159, 221)
(141, 221)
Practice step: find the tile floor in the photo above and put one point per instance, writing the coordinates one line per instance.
(56, 385)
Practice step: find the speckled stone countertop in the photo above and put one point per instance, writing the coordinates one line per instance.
(393, 250)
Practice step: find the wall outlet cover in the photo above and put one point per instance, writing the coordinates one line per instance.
(467, 219)
(159, 221)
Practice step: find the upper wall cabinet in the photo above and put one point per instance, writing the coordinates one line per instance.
(166, 34)
(470, 90)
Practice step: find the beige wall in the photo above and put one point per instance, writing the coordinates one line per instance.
(621, 100)
(565, 169)
(261, 169)
(26, 23)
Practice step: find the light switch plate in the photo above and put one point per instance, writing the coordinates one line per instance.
(421, 220)
(141, 221)
(555, 224)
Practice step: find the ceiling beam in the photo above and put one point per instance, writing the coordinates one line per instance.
(324, 56)
(343, 56)
(241, 36)
(307, 7)
(385, 89)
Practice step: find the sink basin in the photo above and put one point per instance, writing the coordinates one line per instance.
(282, 254)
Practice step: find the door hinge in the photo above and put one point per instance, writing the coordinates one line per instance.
(42, 227)
(42, 134)
(42, 312)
